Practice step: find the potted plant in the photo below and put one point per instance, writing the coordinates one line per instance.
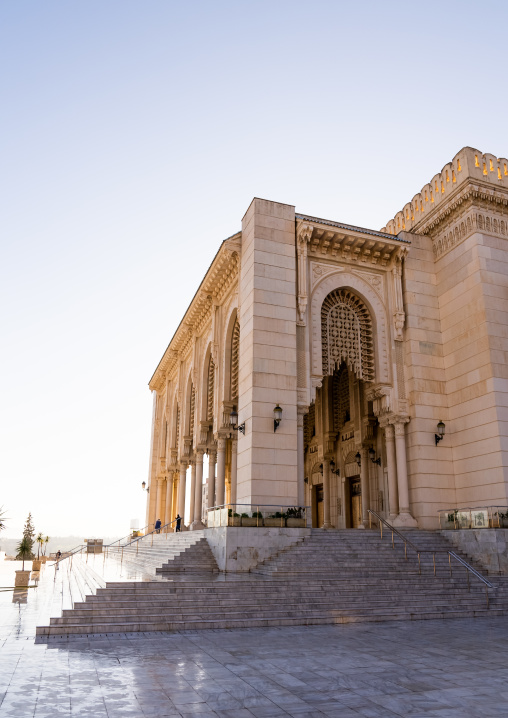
(277, 519)
(294, 518)
(253, 520)
(25, 554)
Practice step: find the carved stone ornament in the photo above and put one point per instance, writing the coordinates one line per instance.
(318, 271)
(399, 319)
(357, 284)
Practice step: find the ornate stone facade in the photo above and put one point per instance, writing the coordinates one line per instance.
(366, 340)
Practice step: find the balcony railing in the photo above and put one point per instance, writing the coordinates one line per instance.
(477, 517)
(256, 515)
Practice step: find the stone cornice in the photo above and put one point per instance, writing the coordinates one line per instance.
(218, 280)
(353, 245)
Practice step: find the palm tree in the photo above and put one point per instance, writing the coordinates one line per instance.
(40, 540)
(46, 541)
(24, 549)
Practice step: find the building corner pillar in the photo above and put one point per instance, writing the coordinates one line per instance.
(404, 519)
(221, 471)
(326, 495)
(300, 447)
(212, 458)
(198, 492)
(181, 492)
(392, 472)
(234, 464)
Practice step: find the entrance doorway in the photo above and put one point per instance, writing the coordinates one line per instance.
(355, 492)
(318, 506)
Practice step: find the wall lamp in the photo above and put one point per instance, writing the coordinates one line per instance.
(333, 469)
(143, 486)
(277, 413)
(358, 458)
(233, 421)
(440, 432)
(372, 457)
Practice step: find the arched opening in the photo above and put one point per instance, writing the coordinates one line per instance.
(340, 422)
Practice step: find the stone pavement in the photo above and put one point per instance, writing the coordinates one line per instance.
(442, 669)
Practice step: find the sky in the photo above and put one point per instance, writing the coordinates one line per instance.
(133, 136)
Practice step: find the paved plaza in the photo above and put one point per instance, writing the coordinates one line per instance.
(425, 668)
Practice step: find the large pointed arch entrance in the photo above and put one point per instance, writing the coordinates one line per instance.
(340, 428)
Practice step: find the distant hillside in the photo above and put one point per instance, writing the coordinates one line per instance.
(56, 543)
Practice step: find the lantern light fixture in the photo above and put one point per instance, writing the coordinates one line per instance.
(143, 486)
(333, 469)
(358, 458)
(233, 421)
(440, 432)
(277, 414)
(372, 457)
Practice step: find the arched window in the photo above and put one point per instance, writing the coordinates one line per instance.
(235, 351)
(346, 334)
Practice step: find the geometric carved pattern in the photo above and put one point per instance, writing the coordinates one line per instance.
(177, 423)
(235, 349)
(346, 334)
(211, 380)
(192, 410)
(341, 410)
(309, 425)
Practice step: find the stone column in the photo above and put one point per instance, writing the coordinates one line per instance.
(192, 490)
(404, 518)
(221, 471)
(300, 448)
(160, 491)
(212, 458)
(181, 491)
(169, 501)
(392, 471)
(326, 495)
(198, 491)
(364, 481)
(234, 456)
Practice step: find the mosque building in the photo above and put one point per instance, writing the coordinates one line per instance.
(345, 369)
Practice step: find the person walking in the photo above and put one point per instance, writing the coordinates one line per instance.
(58, 557)
(178, 522)
(158, 525)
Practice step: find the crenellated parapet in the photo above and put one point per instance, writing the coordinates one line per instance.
(470, 178)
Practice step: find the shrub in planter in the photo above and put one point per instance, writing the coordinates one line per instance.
(24, 549)
(234, 519)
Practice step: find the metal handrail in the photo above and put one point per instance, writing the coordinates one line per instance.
(69, 554)
(451, 554)
(127, 536)
(137, 539)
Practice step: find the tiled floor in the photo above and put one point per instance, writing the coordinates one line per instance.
(429, 668)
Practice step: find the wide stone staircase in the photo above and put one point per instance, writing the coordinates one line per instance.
(329, 577)
(165, 554)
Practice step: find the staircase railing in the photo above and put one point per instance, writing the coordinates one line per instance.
(129, 535)
(137, 539)
(451, 554)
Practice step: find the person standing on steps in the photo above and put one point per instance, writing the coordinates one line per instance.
(58, 557)
(158, 525)
(178, 522)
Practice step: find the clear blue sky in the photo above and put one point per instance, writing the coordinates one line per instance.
(134, 136)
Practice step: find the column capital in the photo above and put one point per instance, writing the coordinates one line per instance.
(389, 432)
(199, 454)
(212, 455)
(221, 443)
